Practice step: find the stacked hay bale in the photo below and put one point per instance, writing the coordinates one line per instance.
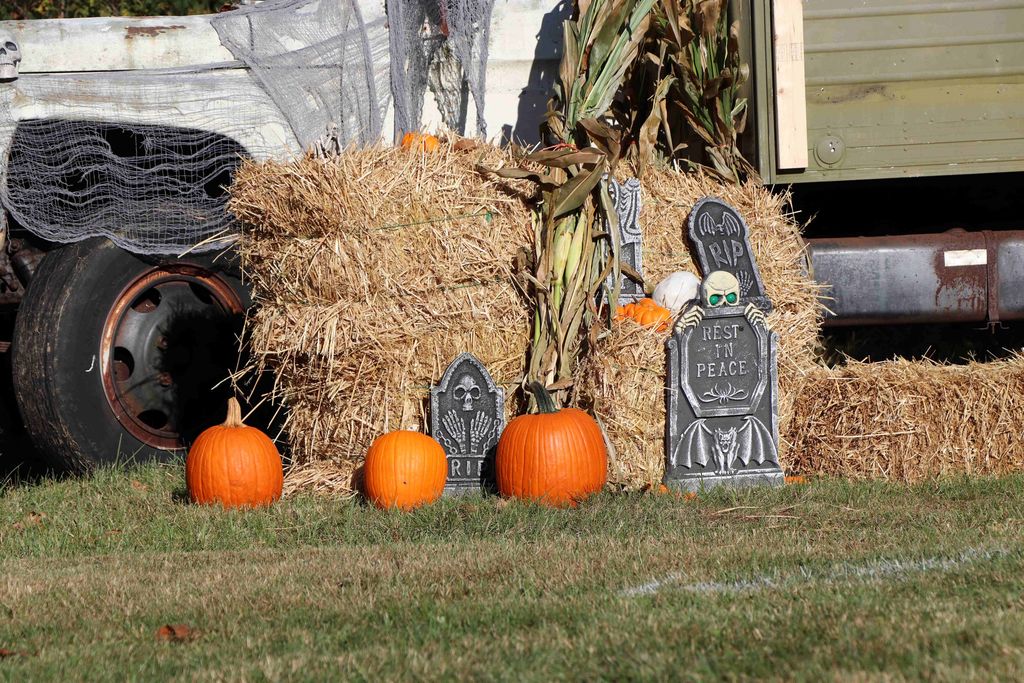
(623, 378)
(910, 420)
(375, 269)
(372, 271)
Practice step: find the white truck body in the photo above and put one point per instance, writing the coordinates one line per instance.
(69, 64)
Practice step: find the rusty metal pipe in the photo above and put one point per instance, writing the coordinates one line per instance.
(954, 276)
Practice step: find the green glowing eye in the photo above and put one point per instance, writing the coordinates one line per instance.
(715, 299)
(731, 297)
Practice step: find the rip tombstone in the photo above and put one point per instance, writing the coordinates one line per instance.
(722, 412)
(467, 416)
(722, 240)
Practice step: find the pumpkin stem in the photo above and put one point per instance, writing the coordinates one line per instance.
(545, 404)
(234, 413)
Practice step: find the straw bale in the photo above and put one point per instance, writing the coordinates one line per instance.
(375, 269)
(623, 383)
(623, 380)
(910, 420)
(372, 272)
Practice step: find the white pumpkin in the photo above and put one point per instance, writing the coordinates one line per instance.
(677, 290)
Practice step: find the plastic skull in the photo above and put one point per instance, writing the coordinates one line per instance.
(10, 57)
(720, 288)
(466, 391)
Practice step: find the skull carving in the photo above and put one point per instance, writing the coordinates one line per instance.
(466, 391)
(720, 288)
(10, 58)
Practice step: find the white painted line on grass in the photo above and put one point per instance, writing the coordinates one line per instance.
(836, 573)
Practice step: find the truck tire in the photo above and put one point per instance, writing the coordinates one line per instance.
(116, 356)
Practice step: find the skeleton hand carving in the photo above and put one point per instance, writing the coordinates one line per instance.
(745, 282)
(689, 319)
(755, 316)
(480, 430)
(453, 425)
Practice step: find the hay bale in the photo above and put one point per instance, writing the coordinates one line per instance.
(623, 380)
(623, 384)
(373, 271)
(910, 420)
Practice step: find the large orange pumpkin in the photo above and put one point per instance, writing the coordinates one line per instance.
(556, 457)
(234, 465)
(404, 469)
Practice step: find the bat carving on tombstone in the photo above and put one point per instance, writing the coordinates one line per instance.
(750, 441)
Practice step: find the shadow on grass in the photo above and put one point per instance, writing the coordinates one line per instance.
(20, 466)
(180, 496)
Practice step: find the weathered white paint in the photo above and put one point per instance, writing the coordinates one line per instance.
(116, 44)
(525, 51)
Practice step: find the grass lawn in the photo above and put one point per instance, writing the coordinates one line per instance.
(826, 581)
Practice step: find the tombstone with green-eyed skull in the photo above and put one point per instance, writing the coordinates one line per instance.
(722, 385)
(720, 288)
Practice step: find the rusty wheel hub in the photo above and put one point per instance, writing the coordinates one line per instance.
(163, 346)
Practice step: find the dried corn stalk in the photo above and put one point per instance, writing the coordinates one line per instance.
(573, 254)
(685, 103)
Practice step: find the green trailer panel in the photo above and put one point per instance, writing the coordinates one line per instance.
(900, 88)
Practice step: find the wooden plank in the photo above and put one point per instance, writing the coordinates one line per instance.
(790, 90)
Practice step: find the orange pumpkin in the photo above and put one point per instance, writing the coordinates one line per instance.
(663, 490)
(556, 457)
(404, 470)
(234, 465)
(423, 142)
(647, 313)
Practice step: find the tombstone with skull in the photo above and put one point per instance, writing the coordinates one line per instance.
(467, 415)
(467, 391)
(721, 241)
(10, 57)
(722, 368)
(720, 288)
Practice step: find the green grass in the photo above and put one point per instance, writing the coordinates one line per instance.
(827, 581)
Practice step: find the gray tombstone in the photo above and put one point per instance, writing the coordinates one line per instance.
(467, 416)
(626, 200)
(722, 414)
(723, 243)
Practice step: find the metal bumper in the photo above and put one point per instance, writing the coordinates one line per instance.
(955, 276)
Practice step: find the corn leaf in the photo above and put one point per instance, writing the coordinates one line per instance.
(564, 158)
(571, 195)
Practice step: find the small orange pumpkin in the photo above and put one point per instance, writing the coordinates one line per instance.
(647, 313)
(404, 470)
(234, 464)
(663, 490)
(556, 457)
(423, 142)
